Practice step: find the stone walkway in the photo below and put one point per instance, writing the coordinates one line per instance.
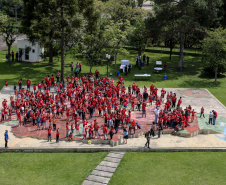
(104, 171)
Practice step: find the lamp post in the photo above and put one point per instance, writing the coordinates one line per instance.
(108, 58)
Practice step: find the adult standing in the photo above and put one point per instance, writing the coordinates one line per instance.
(6, 138)
(72, 66)
(117, 122)
(20, 84)
(17, 56)
(57, 135)
(97, 73)
(58, 78)
(214, 117)
(211, 118)
(12, 54)
(156, 111)
(202, 113)
(147, 60)
(28, 82)
(148, 136)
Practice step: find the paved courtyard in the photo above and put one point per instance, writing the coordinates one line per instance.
(194, 97)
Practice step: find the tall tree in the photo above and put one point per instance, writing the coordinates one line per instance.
(214, 50)
(188, 15)
(9, 32)
(61, 18)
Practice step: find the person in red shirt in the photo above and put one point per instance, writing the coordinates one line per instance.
(97, 73)
(52, 80)
(57, 135)
(70, 137)
(202, 113)
(6, 83)
(67, 130)
(105, 132)
(144, 109)
(111, 132)
(28, 82)
(49, 134)
(96, 129)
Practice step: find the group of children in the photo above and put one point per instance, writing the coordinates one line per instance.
(79, 98)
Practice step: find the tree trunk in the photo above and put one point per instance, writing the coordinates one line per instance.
(216, 70)
(62, 45)
(50, 48)
(115, 64)
(171, 49)
(182, 39)
(9, 55)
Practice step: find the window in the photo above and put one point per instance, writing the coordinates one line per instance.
(33, 50)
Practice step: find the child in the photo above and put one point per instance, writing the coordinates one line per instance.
(111, 132)
(49, 134)
(70, 137)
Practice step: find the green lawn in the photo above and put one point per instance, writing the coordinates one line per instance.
(47, 168)
(171, 168)
(190, 77)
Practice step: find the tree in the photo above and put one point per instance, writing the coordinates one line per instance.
(214, 50)
(118, 38)
(58, 19)
(8, 31)
(188, 15)
(139, 36)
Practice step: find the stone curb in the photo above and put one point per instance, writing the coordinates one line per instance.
(93, 150)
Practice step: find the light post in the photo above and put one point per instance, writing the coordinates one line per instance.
(108, 58)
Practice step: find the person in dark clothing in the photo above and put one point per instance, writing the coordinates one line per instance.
(144, 57)
(137, 62)
(117, 122)
(16, 56)
(126, 70)
(147, 60)
(138, 105)
(148, 136)
(6, 139)
(145, 96)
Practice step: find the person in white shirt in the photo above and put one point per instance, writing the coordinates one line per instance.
(156, 111)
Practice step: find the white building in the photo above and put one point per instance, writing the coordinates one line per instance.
(30, 52)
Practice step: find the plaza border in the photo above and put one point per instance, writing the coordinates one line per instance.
(94, 150)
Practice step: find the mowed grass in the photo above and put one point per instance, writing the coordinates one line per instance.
(47, 168)
(190, 77)
(171, 168)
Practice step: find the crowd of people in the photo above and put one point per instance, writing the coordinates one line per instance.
(79, 98)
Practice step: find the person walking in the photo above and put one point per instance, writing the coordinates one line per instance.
(6, 138)
(148, 136)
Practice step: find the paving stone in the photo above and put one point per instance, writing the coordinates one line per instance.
(101, 173)
(122, 153)
(104, 180)
(109, 164)
(112, 159)
(115, 155)
(105, 168)
(86, 182)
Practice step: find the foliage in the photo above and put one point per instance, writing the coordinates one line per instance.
(9, 32)
(188, 16)
(214, 50)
